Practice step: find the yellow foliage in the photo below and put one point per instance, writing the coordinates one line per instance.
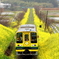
(43, 36)
(50, 49)
(48, 43)
(6, 36)
(24, 20)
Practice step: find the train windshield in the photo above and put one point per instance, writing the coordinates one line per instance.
(19, 37)
(33, 38)
(26, 37)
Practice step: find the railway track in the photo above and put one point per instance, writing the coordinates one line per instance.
(11, 47)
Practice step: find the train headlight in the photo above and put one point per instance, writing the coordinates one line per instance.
(19, 45)
(33, 45)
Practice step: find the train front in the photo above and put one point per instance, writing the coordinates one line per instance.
(26, 41)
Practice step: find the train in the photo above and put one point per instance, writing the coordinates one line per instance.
(27, 40)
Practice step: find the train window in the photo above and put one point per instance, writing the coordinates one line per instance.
(19, 37)
(33, 38)
(26, 37)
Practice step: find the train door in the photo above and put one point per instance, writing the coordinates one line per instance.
(26, 39)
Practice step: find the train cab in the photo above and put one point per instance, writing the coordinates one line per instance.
(26, 40)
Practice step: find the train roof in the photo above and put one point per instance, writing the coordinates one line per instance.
(27, 27)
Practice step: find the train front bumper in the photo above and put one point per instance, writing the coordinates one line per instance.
(26, 50)
(27, 53)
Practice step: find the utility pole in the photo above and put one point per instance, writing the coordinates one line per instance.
(46, 21)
